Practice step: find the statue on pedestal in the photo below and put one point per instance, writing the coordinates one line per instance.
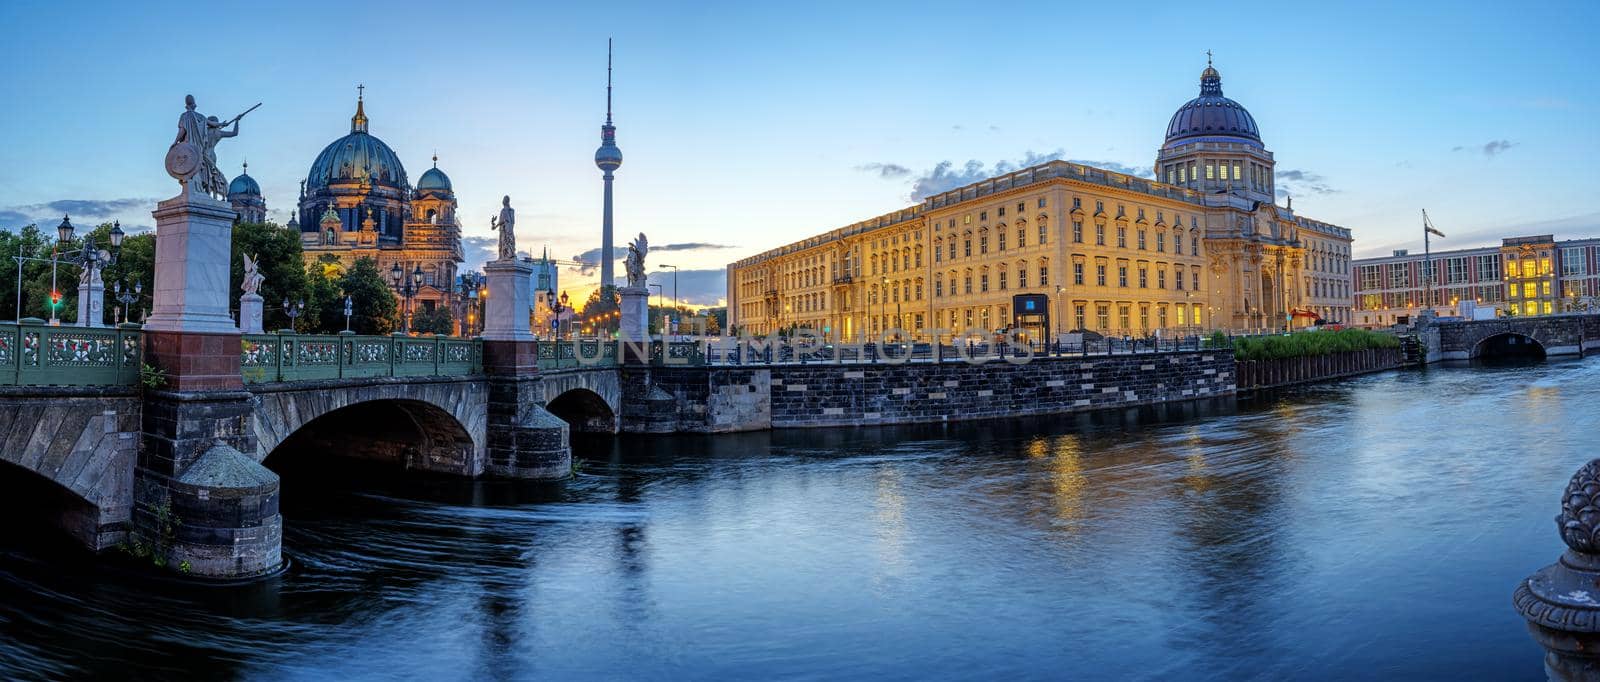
(192, 156)
(505, 223)
(635, 264)
(252, 275)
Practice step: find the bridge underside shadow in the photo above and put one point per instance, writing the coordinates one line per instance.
(29, 501)
(410, 434)
(1508, 345)
(584, 411)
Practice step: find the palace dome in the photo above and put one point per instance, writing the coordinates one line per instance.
(244, 184)
(1212, 117)
(434, 179)
(356, 157)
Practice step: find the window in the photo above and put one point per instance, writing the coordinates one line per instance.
(1077, 314)
(1077, 232)
(1099, 207)
(1144, 277)
(1141, 240)
(968, 283)
(1002, 212)
(1100, 274)
(1456, 270)
(1144, 318)
(983, 281)
(1177, 242)
(1545, 288)
(1194, 280)
(1122, 317)
(1161, 278)
(1488, 268)
(938, 252)
(938, 285)
(1103, 316)
(1194, 243)
(1042, 233)
(1122, 237)
(1044, 273)
(1100, 234)
(1002, 279)
(1042, 202)
(1021, 206)
(1002, 237)
(1077, 273)
(983, 215)
(1177, 277)
(983, 242)
(1122, 275)
(1161, 317)
(1161, 242)
(1022, 275)
(1572, 263)
(967, 247)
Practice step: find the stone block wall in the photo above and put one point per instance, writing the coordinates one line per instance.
(834, 395)
(717, 399)
(86, 443)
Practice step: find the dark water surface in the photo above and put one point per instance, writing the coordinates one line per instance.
(1369, 529)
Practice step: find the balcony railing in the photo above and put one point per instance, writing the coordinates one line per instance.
(35, 354)
(268, 358)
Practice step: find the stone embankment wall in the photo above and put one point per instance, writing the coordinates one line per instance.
(835, 395)
(1257, 374)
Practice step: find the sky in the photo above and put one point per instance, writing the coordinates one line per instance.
(745, 126)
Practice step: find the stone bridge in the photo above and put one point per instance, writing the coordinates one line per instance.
(1575, 334)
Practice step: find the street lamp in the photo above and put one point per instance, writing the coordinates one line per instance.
(127, 296)
(349, 309)
(293, 310)
(88, 258)
(408, 288)
(674, 285)
(557, 307)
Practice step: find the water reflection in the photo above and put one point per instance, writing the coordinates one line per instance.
(1364, 529)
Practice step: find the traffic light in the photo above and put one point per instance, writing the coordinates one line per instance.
(55, 298)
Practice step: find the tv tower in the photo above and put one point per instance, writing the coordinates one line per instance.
(608, 158)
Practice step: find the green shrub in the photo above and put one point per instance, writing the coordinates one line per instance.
(1302, 344)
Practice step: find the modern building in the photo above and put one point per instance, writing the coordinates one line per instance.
(244, 194)
(1202, 247)
(356, 202)
(1533, 275)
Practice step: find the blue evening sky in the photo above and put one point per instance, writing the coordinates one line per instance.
(748, 125)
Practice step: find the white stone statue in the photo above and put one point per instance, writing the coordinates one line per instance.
(252, 275)
(506, 222)
(192, 156)
(635, 263)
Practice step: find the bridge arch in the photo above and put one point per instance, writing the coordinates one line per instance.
(1508, 344)
(584, 410)
(434, 426)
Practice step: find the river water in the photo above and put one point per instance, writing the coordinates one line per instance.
(1373, 528)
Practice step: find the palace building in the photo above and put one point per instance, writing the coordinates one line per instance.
(1203, 246)
(356, 202)
(1533, 275)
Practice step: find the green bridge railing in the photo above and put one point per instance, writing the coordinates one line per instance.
(299, 357)
(33, 353)
(603, 353)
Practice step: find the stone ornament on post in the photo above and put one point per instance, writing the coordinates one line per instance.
(250, 304)
(1561, 602)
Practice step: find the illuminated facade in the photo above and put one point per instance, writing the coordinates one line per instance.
(1203, 248)
(1534, 275)
(356, 202)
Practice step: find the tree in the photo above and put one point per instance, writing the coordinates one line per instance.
(595, 310)
(374, 301)
(277, 250)
(436, 321)
(136, 265)
(324, 312)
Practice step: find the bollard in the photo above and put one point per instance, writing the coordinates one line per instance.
(1561, 602)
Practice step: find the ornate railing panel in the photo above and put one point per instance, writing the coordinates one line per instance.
(35, 354)
(299, 357)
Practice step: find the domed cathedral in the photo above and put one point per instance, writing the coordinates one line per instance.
(356, 202)
(245, 196)
(1257, 257)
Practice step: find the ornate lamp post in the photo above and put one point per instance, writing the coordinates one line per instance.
(126, 296)
(293, 310)
(89, 258)
(674, 286)
(557, 306)
(408, 288)
(349, 309)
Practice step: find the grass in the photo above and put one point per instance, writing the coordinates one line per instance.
(1304, 344)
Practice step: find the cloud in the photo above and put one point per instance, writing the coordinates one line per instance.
(99, 207)
(695, 287)
(944, 176)
(478, 250)
(885, 170)
(91, 211)
(1491, 149)
(688, 246)
(592, 257)
(1302, 182)
(14, 219)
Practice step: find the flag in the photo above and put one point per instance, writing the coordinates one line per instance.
(1430, 229)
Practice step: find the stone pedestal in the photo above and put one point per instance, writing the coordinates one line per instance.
(189, 333)
(635, 314)
(201, 504)
(250, 314)
(510, 303)
(91, 301)
(1559, 600)
(524, 439)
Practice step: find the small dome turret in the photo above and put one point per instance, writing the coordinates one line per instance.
(434, 179)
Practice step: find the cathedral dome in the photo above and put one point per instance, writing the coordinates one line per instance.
(244, 184)
(1212, 117)
(434, 179)
(356, 157)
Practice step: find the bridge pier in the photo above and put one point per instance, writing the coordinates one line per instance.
(524, 439)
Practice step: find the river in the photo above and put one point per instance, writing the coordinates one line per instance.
(1371, 528)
